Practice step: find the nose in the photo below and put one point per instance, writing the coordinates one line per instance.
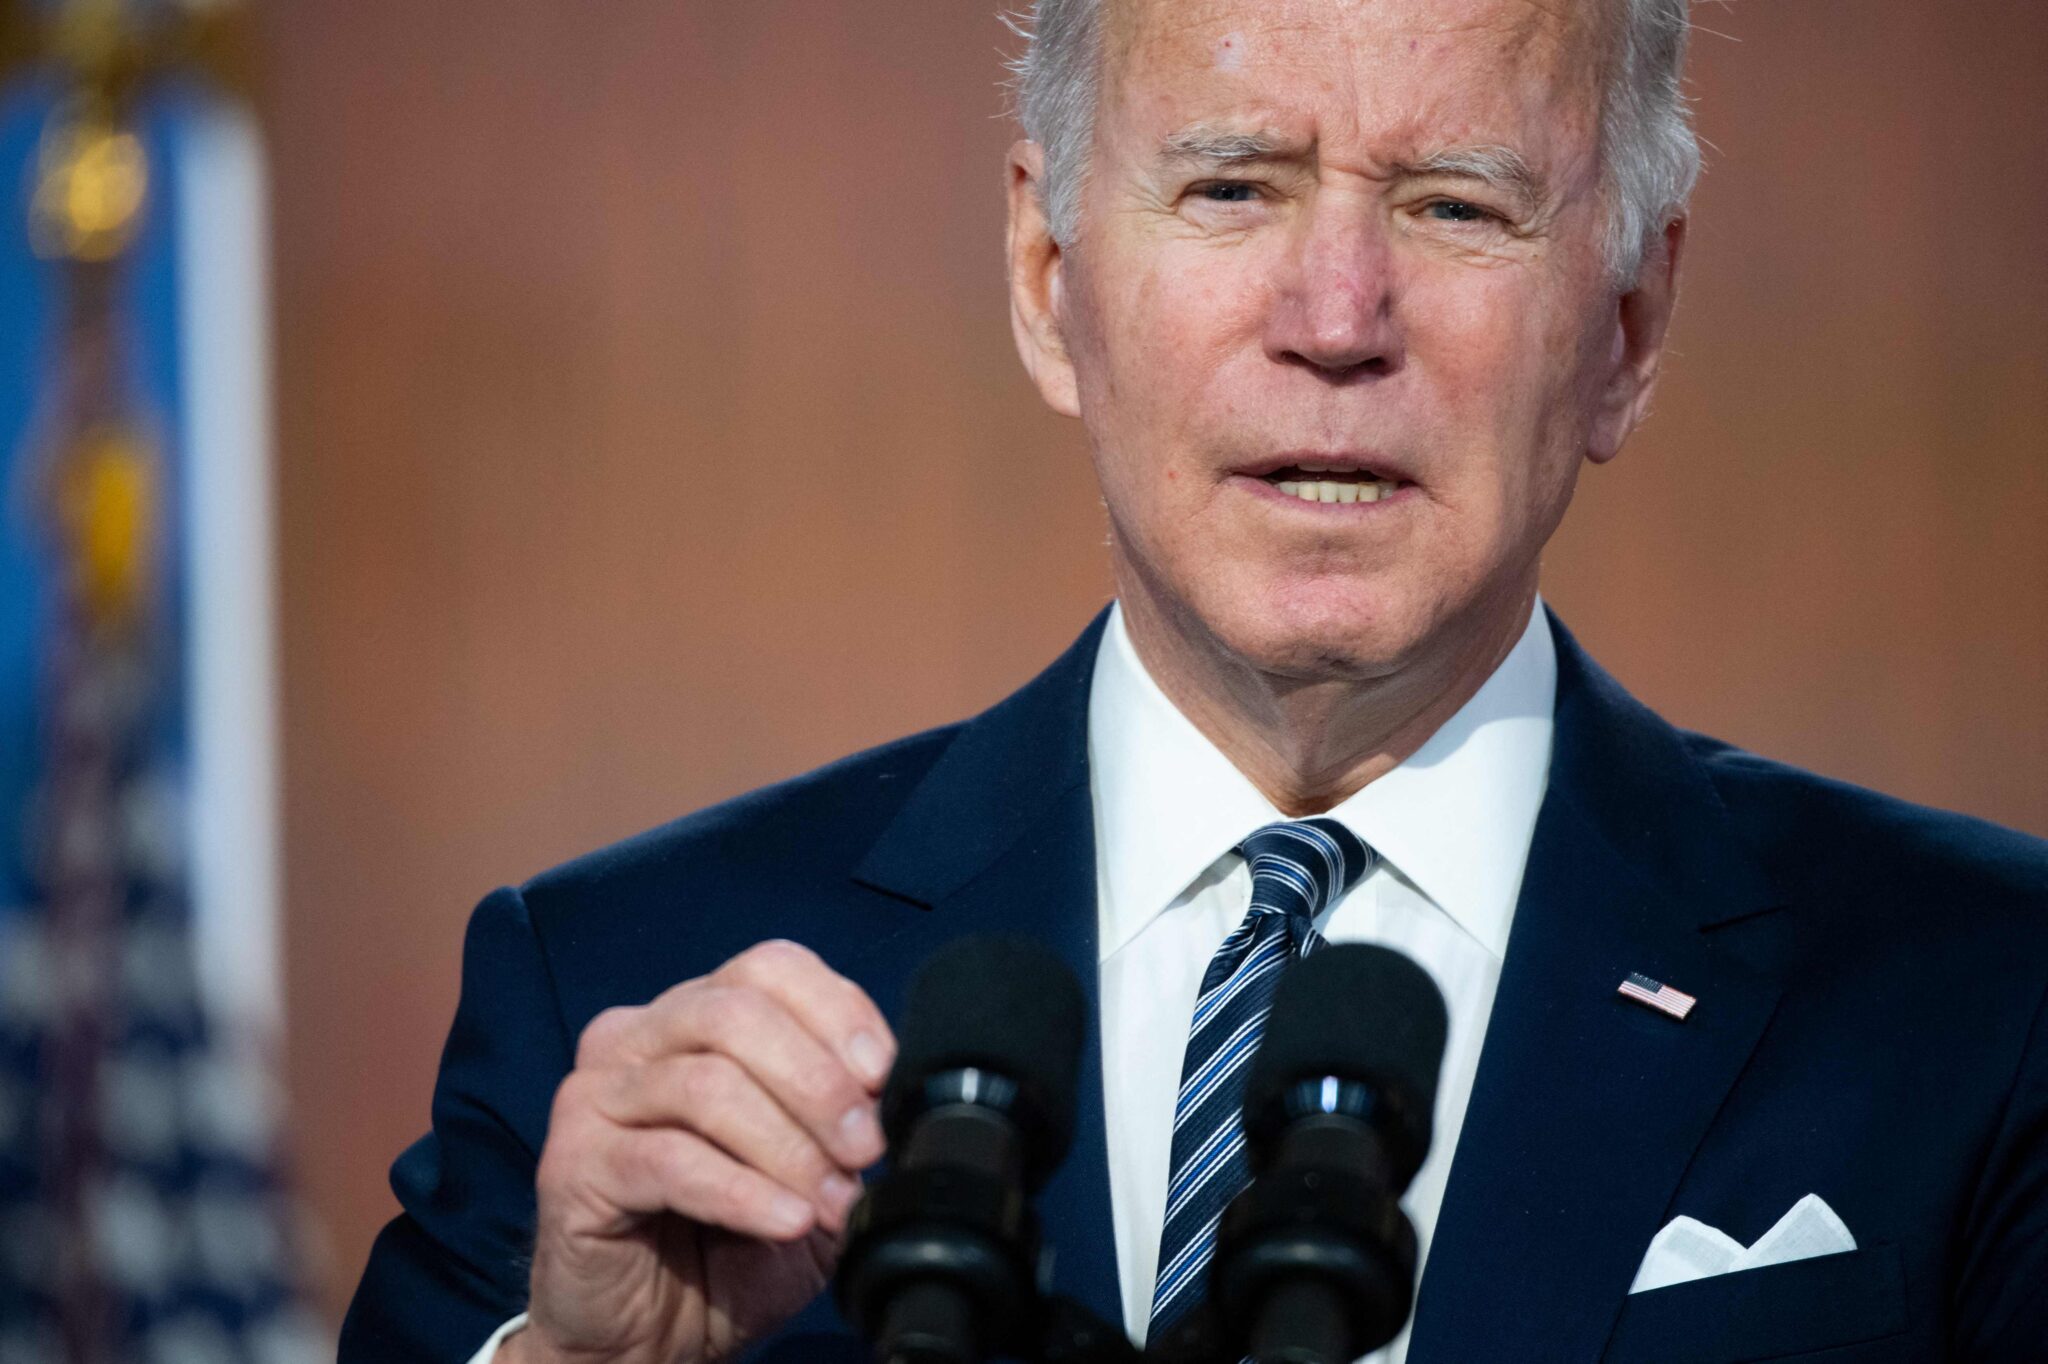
(1334, 308)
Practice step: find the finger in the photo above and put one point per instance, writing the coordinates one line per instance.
(714, 1097)
(655, 1169)
(835, 1010)
(797, 1070)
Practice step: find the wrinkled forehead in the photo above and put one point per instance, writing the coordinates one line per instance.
(1155, 48)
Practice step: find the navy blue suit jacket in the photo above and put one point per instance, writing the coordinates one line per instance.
(1871, 979)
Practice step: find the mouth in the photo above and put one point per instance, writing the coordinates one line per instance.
(1319, 481)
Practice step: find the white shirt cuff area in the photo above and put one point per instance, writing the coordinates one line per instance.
(490, 1349)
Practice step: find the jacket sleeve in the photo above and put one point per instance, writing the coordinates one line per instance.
(453, 1265)
(2001, 1314)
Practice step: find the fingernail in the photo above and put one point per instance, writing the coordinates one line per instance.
(859, 1128)
(869, 1057)
(789, 1214)
(838, 1193)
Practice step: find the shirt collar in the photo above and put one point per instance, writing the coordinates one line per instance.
(1455, 819)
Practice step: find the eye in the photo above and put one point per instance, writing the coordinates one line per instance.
(1456, 211)
(1228, 192)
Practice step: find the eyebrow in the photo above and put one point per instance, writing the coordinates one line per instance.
(1504, 168)
(1215, 147)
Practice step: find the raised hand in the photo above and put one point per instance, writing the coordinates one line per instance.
(700, 1163)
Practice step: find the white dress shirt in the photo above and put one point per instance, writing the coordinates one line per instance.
(1452, 826)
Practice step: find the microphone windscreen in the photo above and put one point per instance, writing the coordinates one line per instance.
(1006, 1005)
(1356, 1012)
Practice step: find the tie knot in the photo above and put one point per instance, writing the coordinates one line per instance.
(1300, 866)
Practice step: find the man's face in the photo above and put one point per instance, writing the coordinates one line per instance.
(1353, 243)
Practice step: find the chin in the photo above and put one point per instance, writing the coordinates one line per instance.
(1320, 630)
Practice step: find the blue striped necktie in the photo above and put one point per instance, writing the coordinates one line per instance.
(1298, 869)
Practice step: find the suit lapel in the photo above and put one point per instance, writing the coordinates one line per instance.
(999, 838)
(1587, 1108)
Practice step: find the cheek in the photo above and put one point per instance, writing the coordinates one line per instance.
(1179, 321)
(1467, 353)
(1504, 389)
(1497, 352)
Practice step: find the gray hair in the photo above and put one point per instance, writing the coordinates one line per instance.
(1650, 157)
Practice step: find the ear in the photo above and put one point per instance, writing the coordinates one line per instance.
(1037, 303)
(1642, 316)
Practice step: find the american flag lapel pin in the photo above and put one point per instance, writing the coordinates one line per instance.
(1657, 995)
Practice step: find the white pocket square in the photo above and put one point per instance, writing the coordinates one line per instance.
(1686, 1249)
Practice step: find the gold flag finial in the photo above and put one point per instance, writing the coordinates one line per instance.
(91, 187)
(91, 180)
(92, 172)
(106, 511)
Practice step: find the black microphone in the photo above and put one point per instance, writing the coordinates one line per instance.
(942, 1253)
(1315, 1261)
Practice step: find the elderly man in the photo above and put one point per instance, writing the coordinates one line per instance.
(1345, 292)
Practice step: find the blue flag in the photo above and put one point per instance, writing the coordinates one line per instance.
(143, 1212)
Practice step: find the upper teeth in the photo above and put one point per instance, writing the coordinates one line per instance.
(1323, 490)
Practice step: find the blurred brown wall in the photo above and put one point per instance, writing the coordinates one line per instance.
(650, 429)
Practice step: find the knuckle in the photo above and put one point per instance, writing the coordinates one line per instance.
(707, 1081)
(732, 1189)
(604, 1035)
(734, 1015)
(800, 1156)
(824, 1084)
(635, 1159)
(782, 956)
(572, 1097)
(683, 1171)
